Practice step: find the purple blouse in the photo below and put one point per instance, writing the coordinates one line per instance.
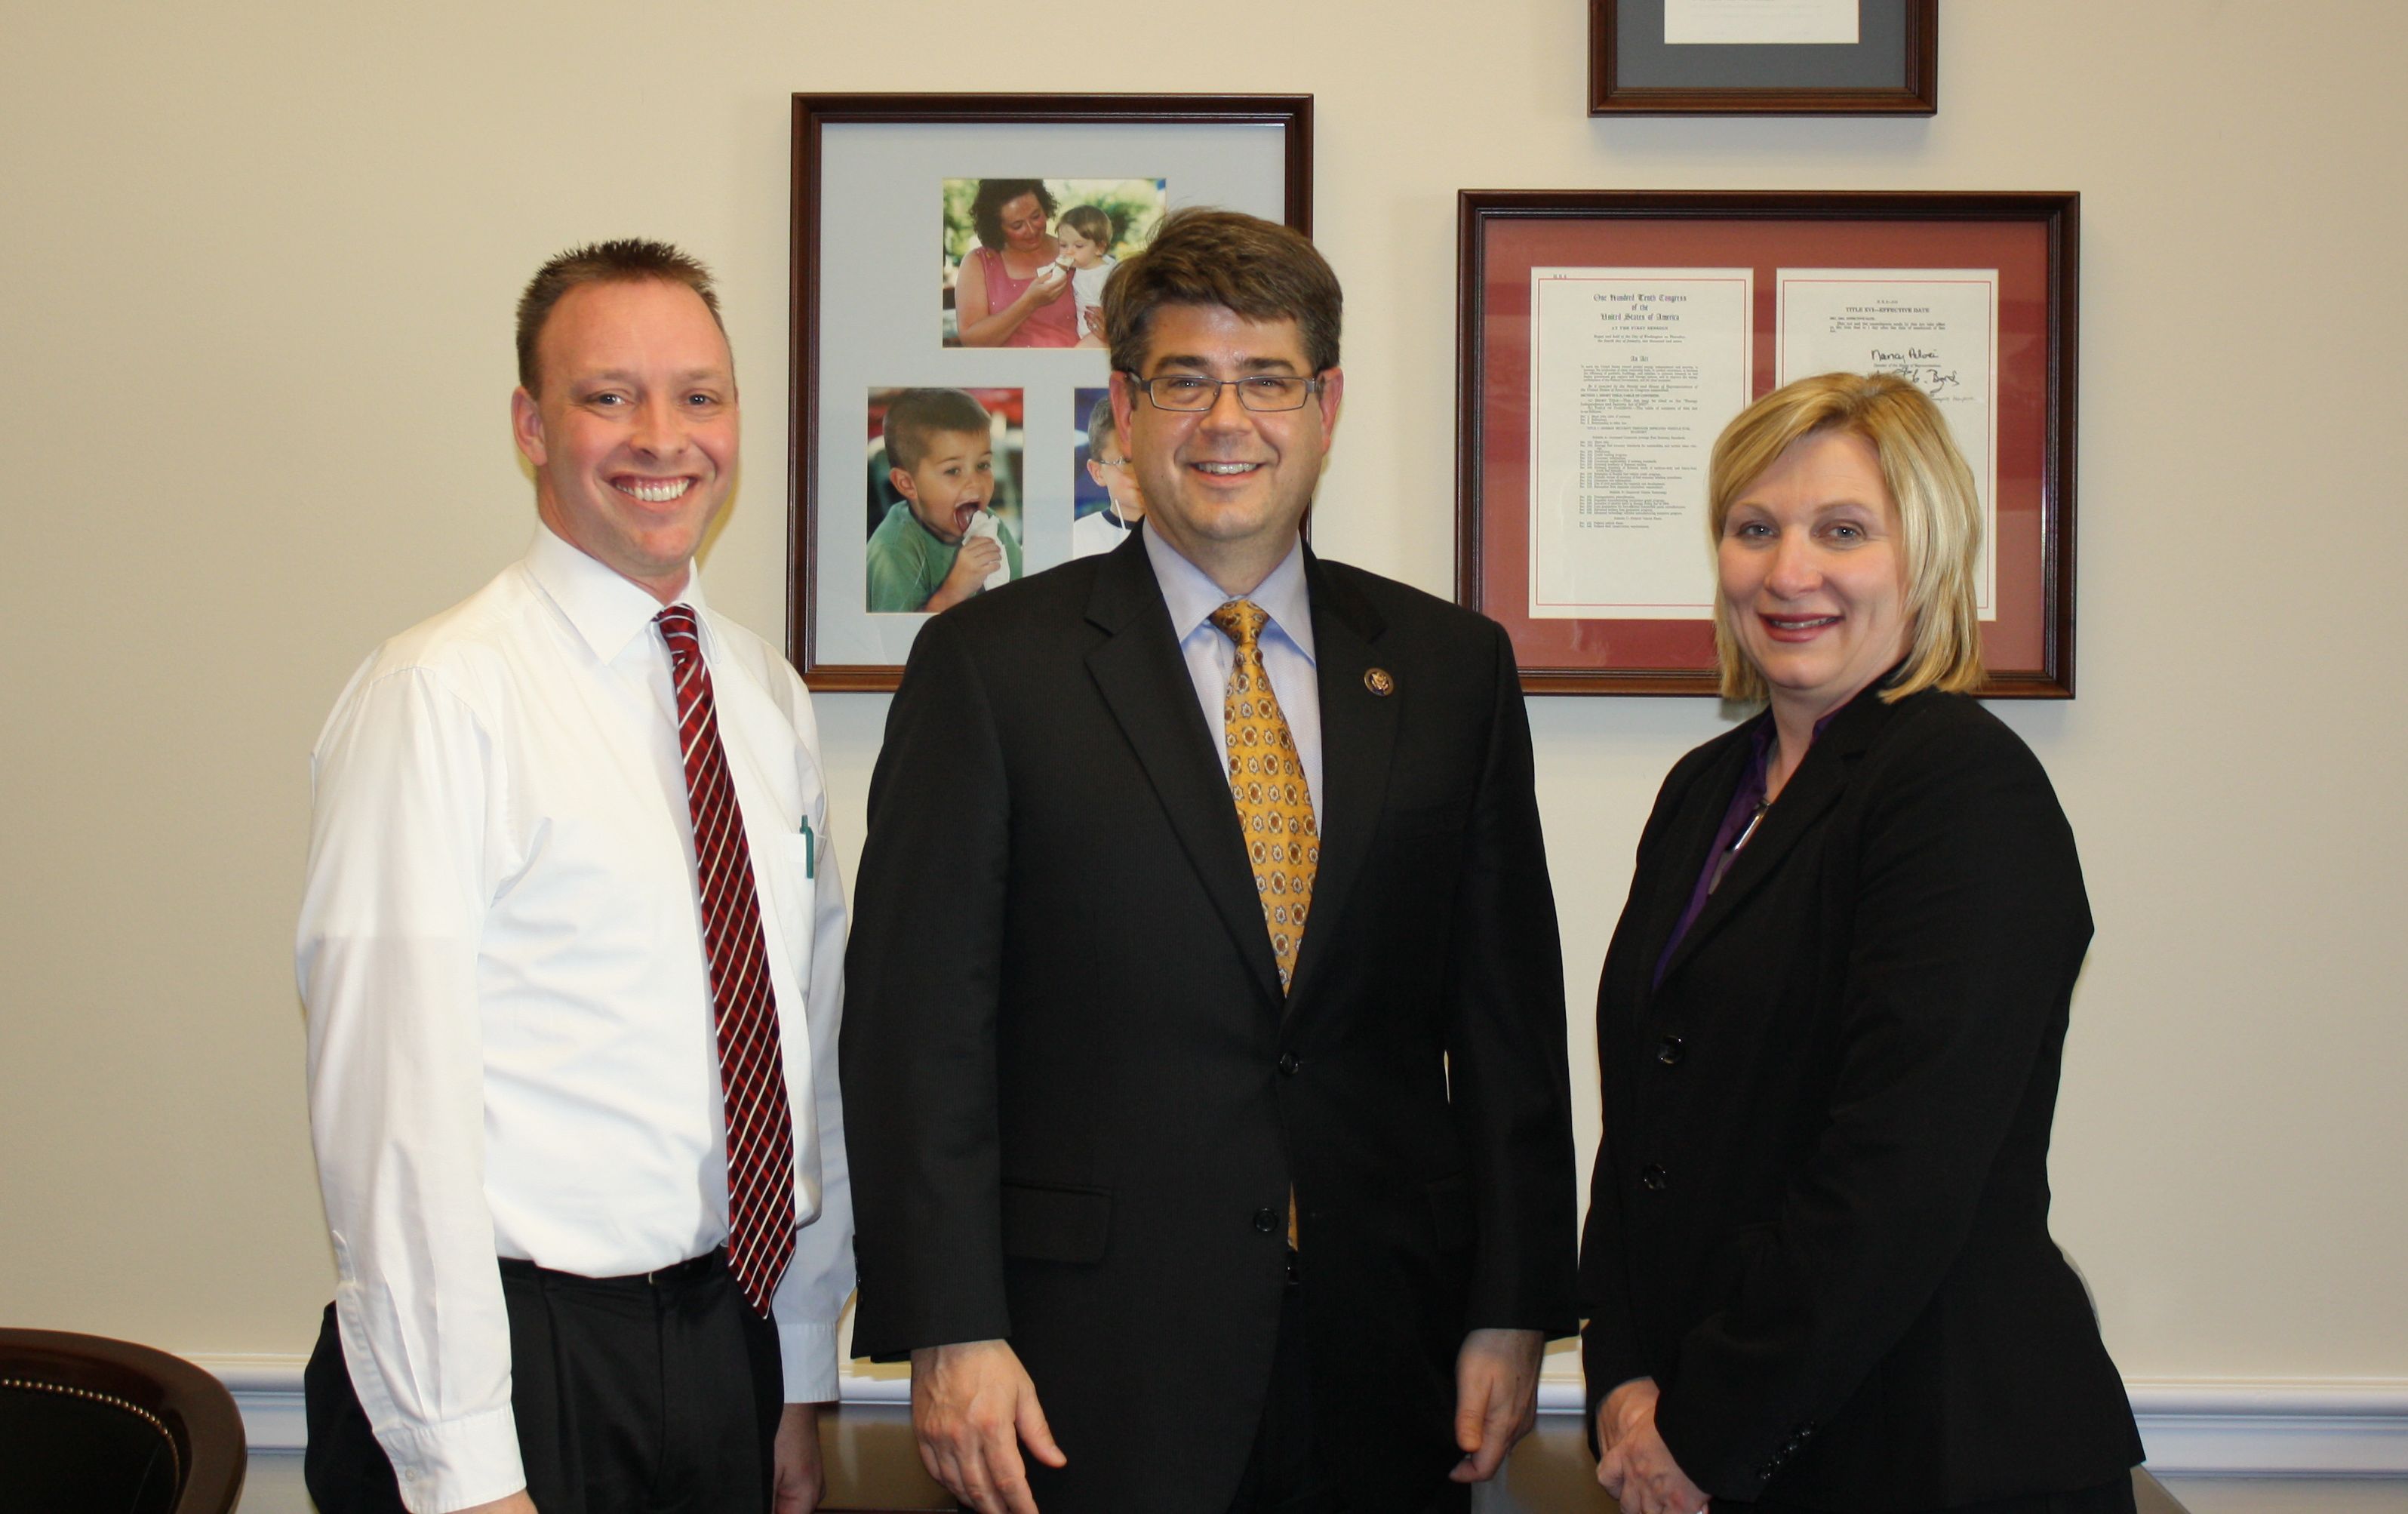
(1748, 806)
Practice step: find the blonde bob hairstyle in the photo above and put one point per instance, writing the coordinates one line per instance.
(1939, 516)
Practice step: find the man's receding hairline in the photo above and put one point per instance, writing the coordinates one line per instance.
(634, 276)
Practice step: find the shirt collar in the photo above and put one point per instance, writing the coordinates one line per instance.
(1192, 595)
(608, 611)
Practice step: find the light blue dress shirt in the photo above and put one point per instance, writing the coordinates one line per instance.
(1286, 645)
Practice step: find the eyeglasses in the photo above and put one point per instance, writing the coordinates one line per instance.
(1257, 392)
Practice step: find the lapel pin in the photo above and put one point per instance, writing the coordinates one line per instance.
(1378, 682)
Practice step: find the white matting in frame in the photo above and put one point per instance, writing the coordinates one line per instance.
(879, 231)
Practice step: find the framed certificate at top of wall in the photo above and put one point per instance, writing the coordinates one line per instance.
(1764, 57)
(1606, 338)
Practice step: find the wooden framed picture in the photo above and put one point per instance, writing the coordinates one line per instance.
(1764, 57)
(1605, 339)
(948, 347)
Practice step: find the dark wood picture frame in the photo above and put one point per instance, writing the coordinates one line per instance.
(2035, 237)
(813, 114)
(1916, 93)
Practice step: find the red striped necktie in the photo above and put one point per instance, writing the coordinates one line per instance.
(752, 1073)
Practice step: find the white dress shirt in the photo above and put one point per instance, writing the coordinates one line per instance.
(1286, 645)
(1098, 532)
(512, 1050)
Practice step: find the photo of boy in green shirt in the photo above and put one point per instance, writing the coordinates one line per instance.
(941, 543)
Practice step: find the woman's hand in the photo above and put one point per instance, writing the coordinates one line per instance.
(975, 326)
(1636, 1467)
(1046, 287)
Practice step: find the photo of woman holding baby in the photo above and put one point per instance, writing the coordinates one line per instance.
(1012, 290)
(1025, 259)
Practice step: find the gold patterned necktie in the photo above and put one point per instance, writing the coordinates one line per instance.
(1267, 784)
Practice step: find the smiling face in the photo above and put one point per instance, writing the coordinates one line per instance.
(951, 485)
(1225, 487)
(634, 436)
(1813, 576)
(1076, 251)
(1023, 223)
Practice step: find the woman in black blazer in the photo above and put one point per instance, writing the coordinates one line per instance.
(1817, 1261)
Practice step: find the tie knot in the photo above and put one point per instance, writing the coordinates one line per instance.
(1241, 621)
(679, 629)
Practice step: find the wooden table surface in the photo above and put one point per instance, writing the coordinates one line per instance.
(873, 1468)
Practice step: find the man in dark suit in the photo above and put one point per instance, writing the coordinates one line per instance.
(1205, 1069)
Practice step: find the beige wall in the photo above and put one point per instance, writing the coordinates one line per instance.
(259, 263)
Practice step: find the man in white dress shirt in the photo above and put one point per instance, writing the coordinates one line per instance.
(517, 1009)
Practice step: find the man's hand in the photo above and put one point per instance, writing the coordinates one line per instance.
(1496, 1397)
(1638, 1468)
(972, 1407)
(800, 1482)
(517, 1503)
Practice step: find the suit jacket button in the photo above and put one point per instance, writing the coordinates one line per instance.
(1652, 1177)
(1288, 1064)
(1671, 1051)
(1266, 1222)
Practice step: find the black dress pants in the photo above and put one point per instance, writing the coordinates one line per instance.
(653, 1394)
(1282, 1473)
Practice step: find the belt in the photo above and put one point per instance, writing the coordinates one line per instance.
(712, 1264)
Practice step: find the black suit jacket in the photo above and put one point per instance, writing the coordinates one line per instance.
(1076, 1098)
(1819, 1217)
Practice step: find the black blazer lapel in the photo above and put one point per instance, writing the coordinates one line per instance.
(1812, 790)
(1682, 853)
(1359, 743)
(1145, 683)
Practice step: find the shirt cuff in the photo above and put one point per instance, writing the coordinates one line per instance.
(806, 1351)
(457, 1464)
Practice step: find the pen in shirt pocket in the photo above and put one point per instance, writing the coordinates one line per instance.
(811, 850)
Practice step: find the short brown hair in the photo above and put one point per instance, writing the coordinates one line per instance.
(1255, 269)
(625, 261)
(916, 417)
(1101, 428)
(1939, 515)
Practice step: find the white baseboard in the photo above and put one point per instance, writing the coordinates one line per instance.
(267, 1389)
(2273, 1427)
(2190, 1427)
(2212, 1427)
